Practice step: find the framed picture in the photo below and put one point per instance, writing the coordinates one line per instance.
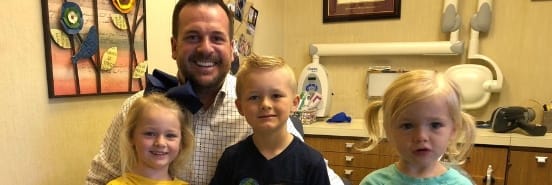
(252, 17)
(94, 47)
(355, 10)
(252, 20)
(239, 7)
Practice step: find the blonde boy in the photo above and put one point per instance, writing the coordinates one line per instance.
(266, 89)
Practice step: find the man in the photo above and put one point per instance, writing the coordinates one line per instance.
(201, 45)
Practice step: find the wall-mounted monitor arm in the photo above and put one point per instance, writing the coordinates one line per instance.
(450, 23)
(388, 48)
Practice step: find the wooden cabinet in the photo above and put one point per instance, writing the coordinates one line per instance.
(511, 165)
(346, 160)
(513, 156)
(479, 160)
(525, 169)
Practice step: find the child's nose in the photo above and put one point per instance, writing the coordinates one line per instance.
(420, 135)
(160, 141)
(266, 104)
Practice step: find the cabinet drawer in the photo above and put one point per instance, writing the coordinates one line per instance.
(524, 168)
(352, 159)
(337, 144)
(352, 173)
(479, 160)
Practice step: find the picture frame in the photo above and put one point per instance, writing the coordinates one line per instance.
(252, 20)
(357, 10)
(94, 47)
(239, 7)
(252, 17)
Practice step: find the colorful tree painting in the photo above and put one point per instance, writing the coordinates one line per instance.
(94, 47)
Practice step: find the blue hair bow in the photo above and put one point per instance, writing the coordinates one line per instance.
(184, 95)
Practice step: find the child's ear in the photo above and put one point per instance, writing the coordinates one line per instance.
(453, 134)
(295, 103)
(238, 105)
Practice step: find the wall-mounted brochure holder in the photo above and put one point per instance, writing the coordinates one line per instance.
(377, 82)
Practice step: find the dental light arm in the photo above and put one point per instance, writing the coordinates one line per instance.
(481, 22)
(450, 23)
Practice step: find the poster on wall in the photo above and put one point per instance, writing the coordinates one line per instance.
(94, 47)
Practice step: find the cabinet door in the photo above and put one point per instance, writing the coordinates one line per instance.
(337, 144)
(352, 159)
(344, 158)
(353, 174)
(525, 169)
(479, 160)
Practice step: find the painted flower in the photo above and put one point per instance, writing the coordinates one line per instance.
(124, 6)
(71, 18)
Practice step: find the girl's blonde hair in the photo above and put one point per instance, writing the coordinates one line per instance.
(415, 86)
(134, 117)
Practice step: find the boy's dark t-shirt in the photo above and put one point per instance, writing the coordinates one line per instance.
(298, 164)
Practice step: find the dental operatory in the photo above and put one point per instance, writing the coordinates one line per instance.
(384, 91)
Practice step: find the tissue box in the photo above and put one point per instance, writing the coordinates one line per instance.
(547, 120)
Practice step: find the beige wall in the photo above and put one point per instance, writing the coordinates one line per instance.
(519, 41)
(52, 141)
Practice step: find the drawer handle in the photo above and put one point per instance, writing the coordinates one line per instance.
(541, 159)
(349, 158)
(349, 145)
(348, 172)
(489, 179)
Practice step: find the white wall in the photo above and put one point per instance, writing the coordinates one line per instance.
(52, 141)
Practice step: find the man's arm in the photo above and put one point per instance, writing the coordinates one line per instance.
(291, 129)
(106, 164)
(334, 178)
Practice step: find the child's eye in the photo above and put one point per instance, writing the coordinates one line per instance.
(254, 97)
(171, 136)
(149, 134)
(406, 126)
(277, 96)
(436, 125)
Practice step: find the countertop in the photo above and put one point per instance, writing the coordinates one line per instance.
(484, 136)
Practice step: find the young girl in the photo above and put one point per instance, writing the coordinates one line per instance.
(422, 118)
(156, 142)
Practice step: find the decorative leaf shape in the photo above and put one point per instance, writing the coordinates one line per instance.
(119, 21)
(60, 38)
(140, 70)
(109, 58)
